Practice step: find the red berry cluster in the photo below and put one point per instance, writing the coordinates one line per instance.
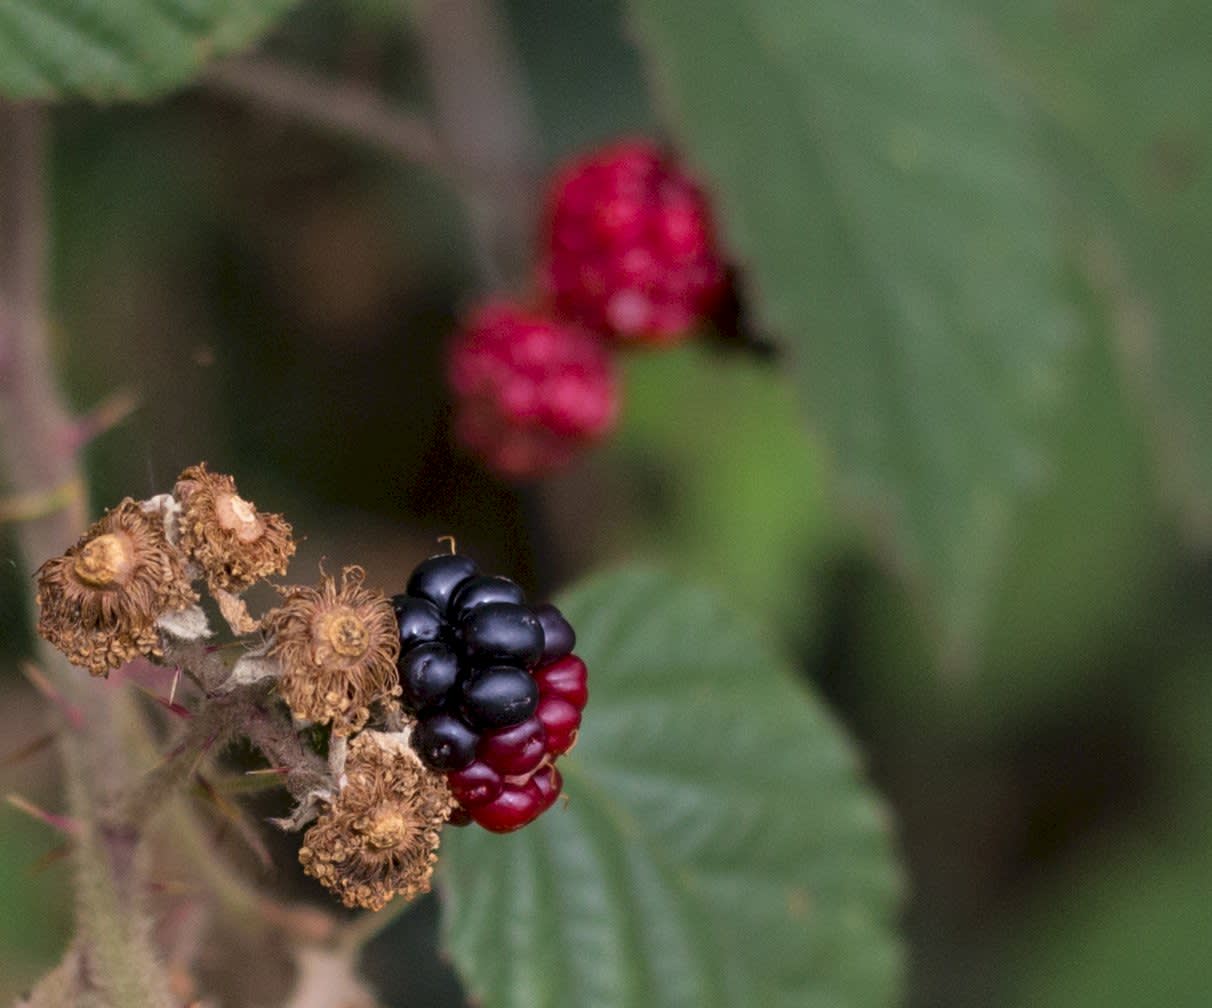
(531, 390)
(513, 778)
(494, 687)
(629, 258)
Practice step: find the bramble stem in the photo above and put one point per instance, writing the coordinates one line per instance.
(40, 456)
(32, 416)
(486, 122)
(351, 110)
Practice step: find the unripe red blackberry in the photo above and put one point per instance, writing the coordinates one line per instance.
(530, 391)
(630, 246)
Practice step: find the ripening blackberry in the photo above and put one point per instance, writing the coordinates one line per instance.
(494, 686)
(631, 250)
(531, 391)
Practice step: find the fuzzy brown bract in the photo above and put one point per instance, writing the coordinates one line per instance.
(379, 837)
(337, 647)
(98, 603)
(233, 542)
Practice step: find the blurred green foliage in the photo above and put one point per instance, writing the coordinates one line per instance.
(739, 498)
(34, 921)
(122, 48)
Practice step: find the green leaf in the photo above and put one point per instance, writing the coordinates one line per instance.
(1127, 86)
(34, 915)
(717, 848)
(739, 499)
(120, 48)
(876, 179)
(1090, 583)
(1132, 933)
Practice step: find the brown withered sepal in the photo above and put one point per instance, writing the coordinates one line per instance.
(337, 647)
(98, 602)
(233, 542)
(379, 837)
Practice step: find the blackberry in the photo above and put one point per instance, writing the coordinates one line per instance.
(419, 620)
(516, 750)
(630, 246)
(480, 591)
(498, 697)
(495, 689)
(476, 784)
(428, 672)
(513, 808)
(558, 636)
(531, 391)
(566, 678)
(444, 742)
(560, 721)
(519, 804)
(501, 633)
(549, 783)
(439, 577)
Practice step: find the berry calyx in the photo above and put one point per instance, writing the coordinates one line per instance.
(531, 391)
(630, 246)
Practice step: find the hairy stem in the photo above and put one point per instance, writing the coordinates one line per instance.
(32, 416)
(41, 458)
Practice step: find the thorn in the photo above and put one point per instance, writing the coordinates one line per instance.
(230, 645)
(168, 705)
(110, 412)
(64, 824)
(215, 798)
(53, 855)
(50, 692)
(232, 815)
(170, 888)
(267, 770)
(172, 693)
(28, 750)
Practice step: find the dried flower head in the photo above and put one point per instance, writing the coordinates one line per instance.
(233, 542)
(338, 650)
(379, 837)
(98, 603)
